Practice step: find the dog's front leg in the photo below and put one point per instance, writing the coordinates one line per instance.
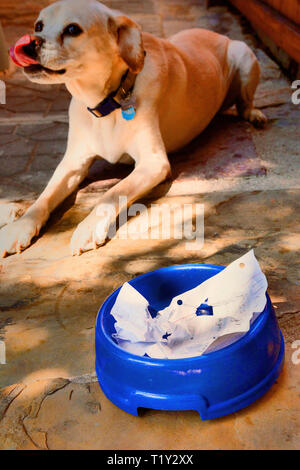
(73, 168)
(152, 167)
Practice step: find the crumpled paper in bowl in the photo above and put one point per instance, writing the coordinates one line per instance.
(209, 317)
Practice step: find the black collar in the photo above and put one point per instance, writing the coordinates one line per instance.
(120, 98)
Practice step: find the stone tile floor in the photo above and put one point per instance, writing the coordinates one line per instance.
(248, 181)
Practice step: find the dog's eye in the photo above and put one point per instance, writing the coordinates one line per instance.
(39, 27)
(72, 30)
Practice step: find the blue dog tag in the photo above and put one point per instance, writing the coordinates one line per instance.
(128, 113)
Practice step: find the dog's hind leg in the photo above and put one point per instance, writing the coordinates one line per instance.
(246, 78)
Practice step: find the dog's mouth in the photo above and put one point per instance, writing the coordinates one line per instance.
(24, 54)
(38, 68)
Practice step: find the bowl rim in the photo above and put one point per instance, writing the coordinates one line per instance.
(205, 357)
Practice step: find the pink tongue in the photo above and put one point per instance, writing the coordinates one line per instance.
(18, 55)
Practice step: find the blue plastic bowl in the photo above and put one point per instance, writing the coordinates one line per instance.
(214, 384)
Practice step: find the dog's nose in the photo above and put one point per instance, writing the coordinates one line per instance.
(38, 41)
(33, 47)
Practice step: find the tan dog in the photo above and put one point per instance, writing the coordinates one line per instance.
(181, 83)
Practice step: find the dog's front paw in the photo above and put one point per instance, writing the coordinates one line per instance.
(90, 233)
(9, 213)
(17, 236)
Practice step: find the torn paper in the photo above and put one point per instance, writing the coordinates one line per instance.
(194, 321)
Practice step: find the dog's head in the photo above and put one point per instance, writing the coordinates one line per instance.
(73, 38)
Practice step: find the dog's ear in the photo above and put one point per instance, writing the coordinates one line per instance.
(129, 39)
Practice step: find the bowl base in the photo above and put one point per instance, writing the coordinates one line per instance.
(131, 402)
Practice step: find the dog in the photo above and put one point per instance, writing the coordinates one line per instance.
(132, 95)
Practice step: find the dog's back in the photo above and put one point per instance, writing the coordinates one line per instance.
(193, 82)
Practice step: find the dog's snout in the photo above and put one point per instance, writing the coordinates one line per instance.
(33, 47)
